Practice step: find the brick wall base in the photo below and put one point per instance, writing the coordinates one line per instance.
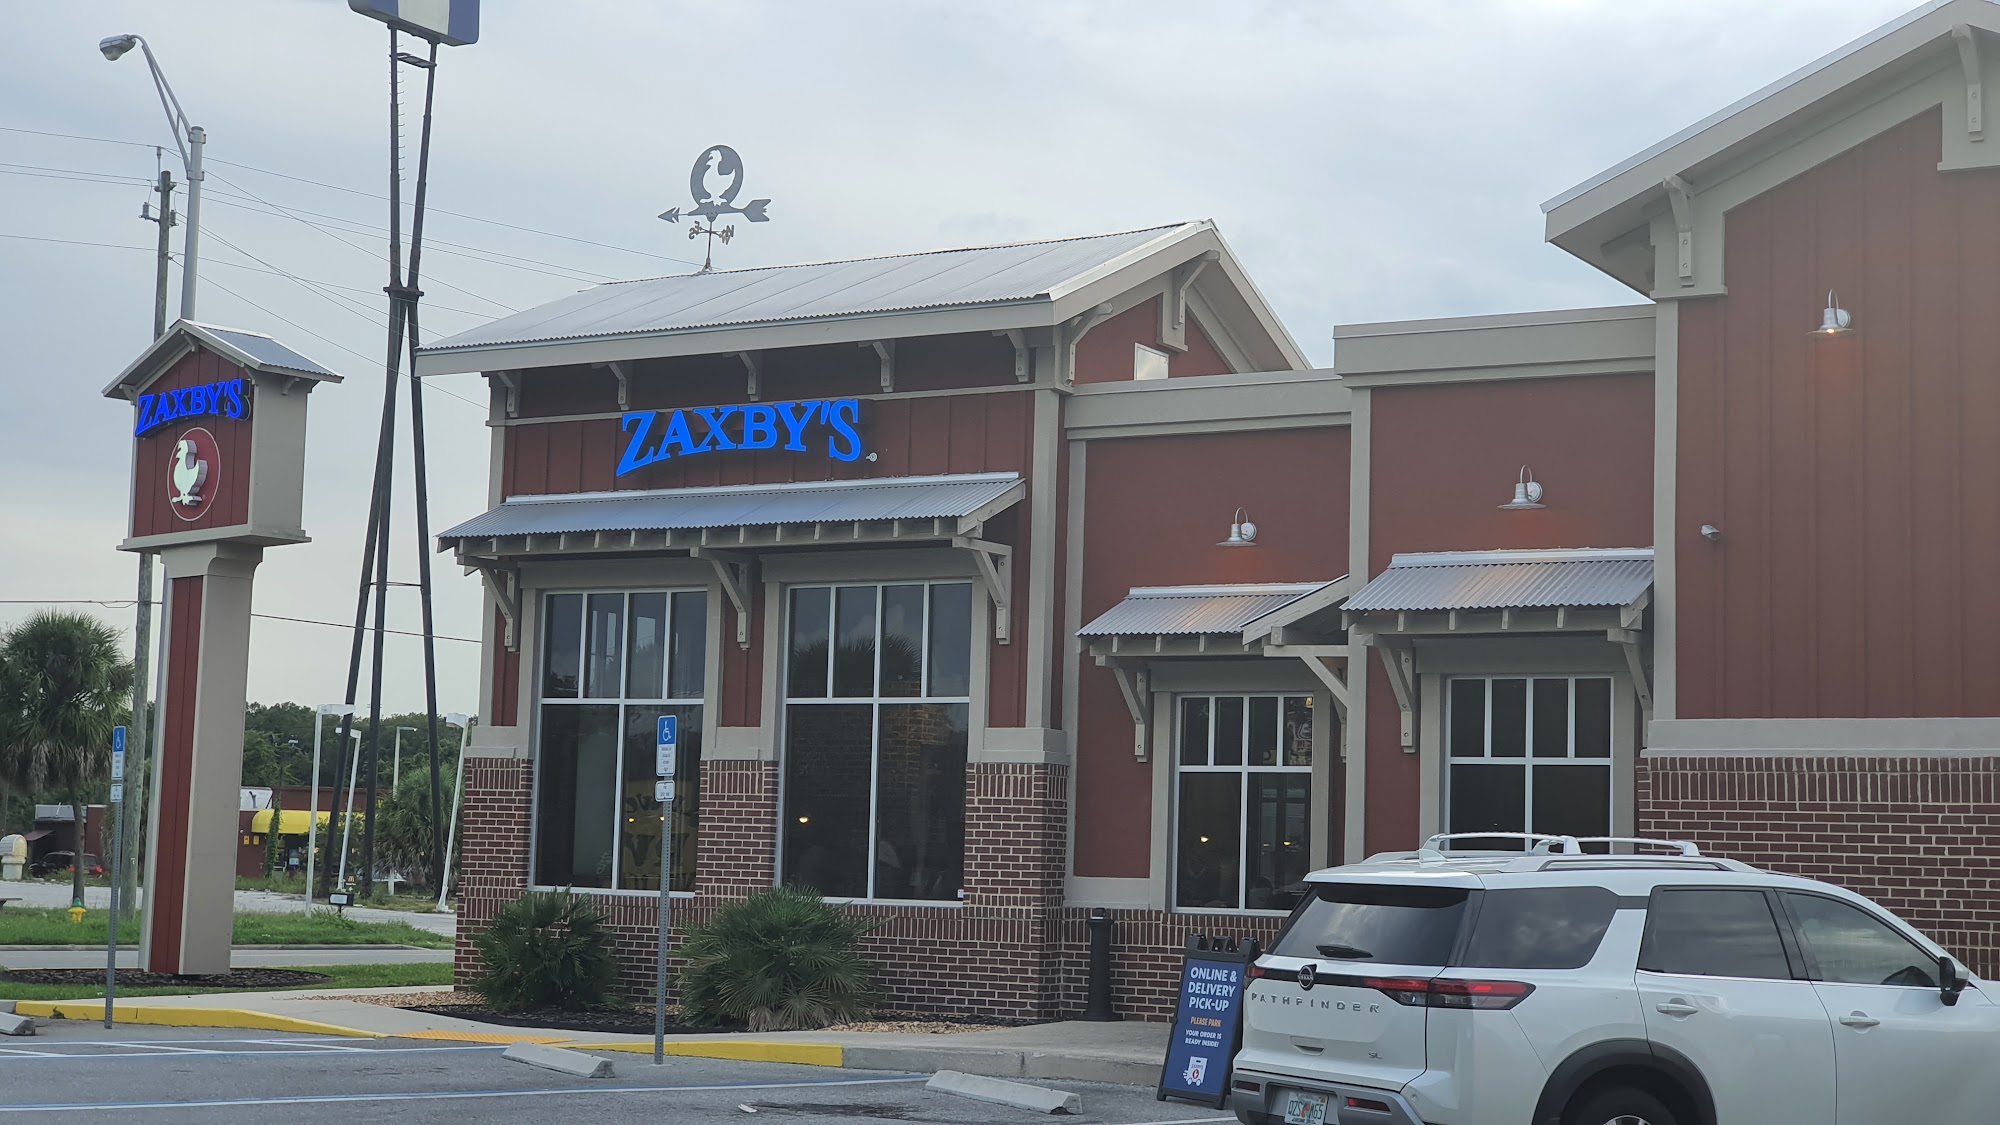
(1921, 836)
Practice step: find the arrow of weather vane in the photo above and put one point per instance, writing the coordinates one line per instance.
(715, 182)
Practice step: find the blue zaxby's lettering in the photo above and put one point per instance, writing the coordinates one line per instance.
(229, 398)
(652, 436)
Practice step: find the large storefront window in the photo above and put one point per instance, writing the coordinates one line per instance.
(878, 683)
(612, 664)
(1243, 801)
(1528, 754)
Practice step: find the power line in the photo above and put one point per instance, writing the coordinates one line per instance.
(74, 137)
(76, 242)
(428, 305)
(128, 603)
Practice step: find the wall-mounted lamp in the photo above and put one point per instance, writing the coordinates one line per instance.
(1527, 494)
(1711, 532)
(1242, 533)
(1834, 320)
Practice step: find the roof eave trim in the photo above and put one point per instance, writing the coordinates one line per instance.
(153, 362)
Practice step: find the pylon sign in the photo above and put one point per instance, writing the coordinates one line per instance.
(453, 23)
(211, 489)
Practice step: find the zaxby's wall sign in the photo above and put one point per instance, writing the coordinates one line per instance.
(229, 398)
(829, 425)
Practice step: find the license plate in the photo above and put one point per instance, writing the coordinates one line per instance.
(1302, 1108)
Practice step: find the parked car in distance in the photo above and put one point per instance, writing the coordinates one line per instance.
(56, 862)
(1559, 986)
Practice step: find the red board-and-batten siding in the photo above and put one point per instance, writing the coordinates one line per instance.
(152, 496)
(1856, 479)
(176, 770)
(1446, 457)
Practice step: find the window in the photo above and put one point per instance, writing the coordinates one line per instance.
(1148, 363)
(878, 684)
(1528, 754)
(1392, 925)
(612, 664)
(1540, 927)
(1713, 933)
(1851, 946)
(1243, 790)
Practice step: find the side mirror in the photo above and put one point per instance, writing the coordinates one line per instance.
(1950, 983)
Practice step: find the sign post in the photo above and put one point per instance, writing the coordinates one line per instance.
(666, 753)
(1208, 1020)
(112, 814)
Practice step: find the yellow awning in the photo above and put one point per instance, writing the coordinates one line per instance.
(291, 822)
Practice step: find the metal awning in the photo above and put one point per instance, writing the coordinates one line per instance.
(1504, 580)
(1150, 614)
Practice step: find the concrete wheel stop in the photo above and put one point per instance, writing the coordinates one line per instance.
(1000, 1091)
(559, 1059)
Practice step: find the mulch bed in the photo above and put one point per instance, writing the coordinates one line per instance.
(622, 1021)
(133, 978)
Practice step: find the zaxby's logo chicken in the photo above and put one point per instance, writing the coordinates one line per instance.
(192, 462)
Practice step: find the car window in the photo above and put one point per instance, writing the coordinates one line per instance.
(1539, 927)
(1369, 922)
(1713, 933)
(1853, 946)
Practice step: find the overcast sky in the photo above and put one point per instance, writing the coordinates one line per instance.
(1367, 160)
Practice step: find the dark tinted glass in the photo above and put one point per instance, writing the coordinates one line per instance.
(902, 641)
(1387, 925)
(920, 801)
(686, 679)
(1209, 841)
(1713, 933)
(951, 640)
(1551, 718)
(806, 664)
(1540, 928)
(827, 751)
(604, 641)
(1276, 845)
(646, 647)
(1194, 730)
(854, 641)
(1510, 718)
(1468, 719)
(1488, 798)
(562, 646)
(1298, 730)
(1228, 730)
(1593, 718)
(1573, 800)
(1852, 946)
(578, 768)
(639, 813)
(1263, 730)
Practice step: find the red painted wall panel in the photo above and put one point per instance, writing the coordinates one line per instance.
(176, 771)
(1105, 355)
(1202, 357)
(1154, 509)
(1851, 476)
(229, 482)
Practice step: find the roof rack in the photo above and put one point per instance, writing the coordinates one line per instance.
(1684, 847)
(1554, 845)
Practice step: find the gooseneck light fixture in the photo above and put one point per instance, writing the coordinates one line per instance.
(1527, 493)
(1834, 320)
(1242, 533)
(189, 140)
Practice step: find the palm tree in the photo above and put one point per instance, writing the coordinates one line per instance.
(63, 686)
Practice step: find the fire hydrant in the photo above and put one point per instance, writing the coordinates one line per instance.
(75, 915)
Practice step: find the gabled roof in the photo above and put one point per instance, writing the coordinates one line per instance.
(1017, 285)
(252, 351)
(1613, 202)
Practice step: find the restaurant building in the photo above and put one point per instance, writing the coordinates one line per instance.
(991, 587)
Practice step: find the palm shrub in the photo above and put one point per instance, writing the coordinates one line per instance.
(780, 960)
(547, 950)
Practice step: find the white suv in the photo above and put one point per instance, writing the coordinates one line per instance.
(1554, 986)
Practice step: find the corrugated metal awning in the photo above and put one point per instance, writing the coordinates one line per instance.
(1487, 580)
(1169, 611)
(962, 501)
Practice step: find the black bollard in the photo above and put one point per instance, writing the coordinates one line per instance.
(1098, 1009)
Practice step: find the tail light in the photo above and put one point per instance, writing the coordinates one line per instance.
(1483, 995)
(1256, 972)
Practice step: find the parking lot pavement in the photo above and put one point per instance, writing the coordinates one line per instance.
(179, 1076)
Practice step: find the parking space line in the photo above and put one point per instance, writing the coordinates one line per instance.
(454, 1095)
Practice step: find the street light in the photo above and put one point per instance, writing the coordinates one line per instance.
(464, 724)
(115, 48)
(347, 820)
(396, 773)
(312, 824)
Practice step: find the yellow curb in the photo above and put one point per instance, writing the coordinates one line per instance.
(183, 1017)
(808, 1054)
(477, 1037)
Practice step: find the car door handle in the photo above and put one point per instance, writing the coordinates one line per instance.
(1861, 1020)
(1677, 1007)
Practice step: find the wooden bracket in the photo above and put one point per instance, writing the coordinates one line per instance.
(1319, 661)
(1968, 61)
(996, 572)
(1024, 367)
(753, 367)
(885, 354)
(621, 370)
(504, 583)
(1401, 665)
(1681, 196)
(1173, 309)
(1073, 333)
(1135, 683)
(512, 381)
(732, 571)
(1628, 641)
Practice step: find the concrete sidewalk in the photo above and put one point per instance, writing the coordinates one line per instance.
(1127, 1053)
(56, 894)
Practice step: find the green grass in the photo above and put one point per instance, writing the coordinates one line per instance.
(29, 926)
(344, 976)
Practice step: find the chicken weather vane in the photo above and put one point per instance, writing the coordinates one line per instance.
(715, 182)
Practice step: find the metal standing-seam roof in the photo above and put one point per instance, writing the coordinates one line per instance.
(252, 351)
(986, 275)
(1193, 610)
(1470, 580)
(265, 351)
(761, 505)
